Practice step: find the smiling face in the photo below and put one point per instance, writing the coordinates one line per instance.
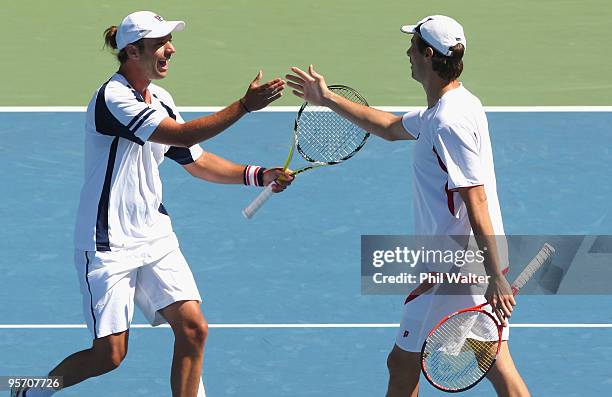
(155, 57)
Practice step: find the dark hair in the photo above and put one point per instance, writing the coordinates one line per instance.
(110, 40)
(448, 68)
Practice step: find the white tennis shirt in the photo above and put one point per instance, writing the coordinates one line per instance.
(121, 200)
(452, 150)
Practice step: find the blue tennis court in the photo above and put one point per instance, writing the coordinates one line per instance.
(298, 260)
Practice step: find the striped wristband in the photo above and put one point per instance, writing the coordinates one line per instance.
(253, 175)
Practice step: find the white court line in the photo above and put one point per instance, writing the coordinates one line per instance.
(293, 109)
(297, 326)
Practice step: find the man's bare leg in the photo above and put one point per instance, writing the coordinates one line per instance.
(190, 331)
(504, 376)
(404, 372)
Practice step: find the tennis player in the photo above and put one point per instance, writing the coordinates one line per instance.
(454, 188)
(126, 252)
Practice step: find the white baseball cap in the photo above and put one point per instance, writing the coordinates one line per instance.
(439, 31)
(144, 24)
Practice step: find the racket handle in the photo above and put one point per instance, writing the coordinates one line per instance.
(256, 204)
(544, 255)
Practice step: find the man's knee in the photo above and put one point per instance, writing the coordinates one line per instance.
(193, 331)
(188, 323)
(109, 358)
(110, 353)
(114, 358)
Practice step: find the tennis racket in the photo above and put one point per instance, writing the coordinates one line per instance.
(322, 137)
(461, 349)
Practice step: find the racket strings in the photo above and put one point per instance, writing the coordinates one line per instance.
(359, 135)
(324, 136)
(461, 350)
(327, 137)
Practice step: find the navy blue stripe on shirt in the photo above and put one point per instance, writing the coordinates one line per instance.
(168, 108)
(137, 95)
(107, 124)
(135, 119)
(90, 296)
(450, 195)
(102, 239)
(180, 154)
(142, 120)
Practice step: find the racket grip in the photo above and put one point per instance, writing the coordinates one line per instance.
(544, 255)
(256, 204)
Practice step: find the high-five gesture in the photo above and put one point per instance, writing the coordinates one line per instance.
(258, 96)
(321, 138)
(309, 86)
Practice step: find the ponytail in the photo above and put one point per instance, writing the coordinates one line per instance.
(110, 37)
(110, 40)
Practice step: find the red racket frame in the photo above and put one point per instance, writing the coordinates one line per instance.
(477, 308)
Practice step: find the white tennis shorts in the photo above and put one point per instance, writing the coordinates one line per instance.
(424, 309)
(111, 282)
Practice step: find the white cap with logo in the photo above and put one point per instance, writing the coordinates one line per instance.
(439, 31)
(144, 24)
